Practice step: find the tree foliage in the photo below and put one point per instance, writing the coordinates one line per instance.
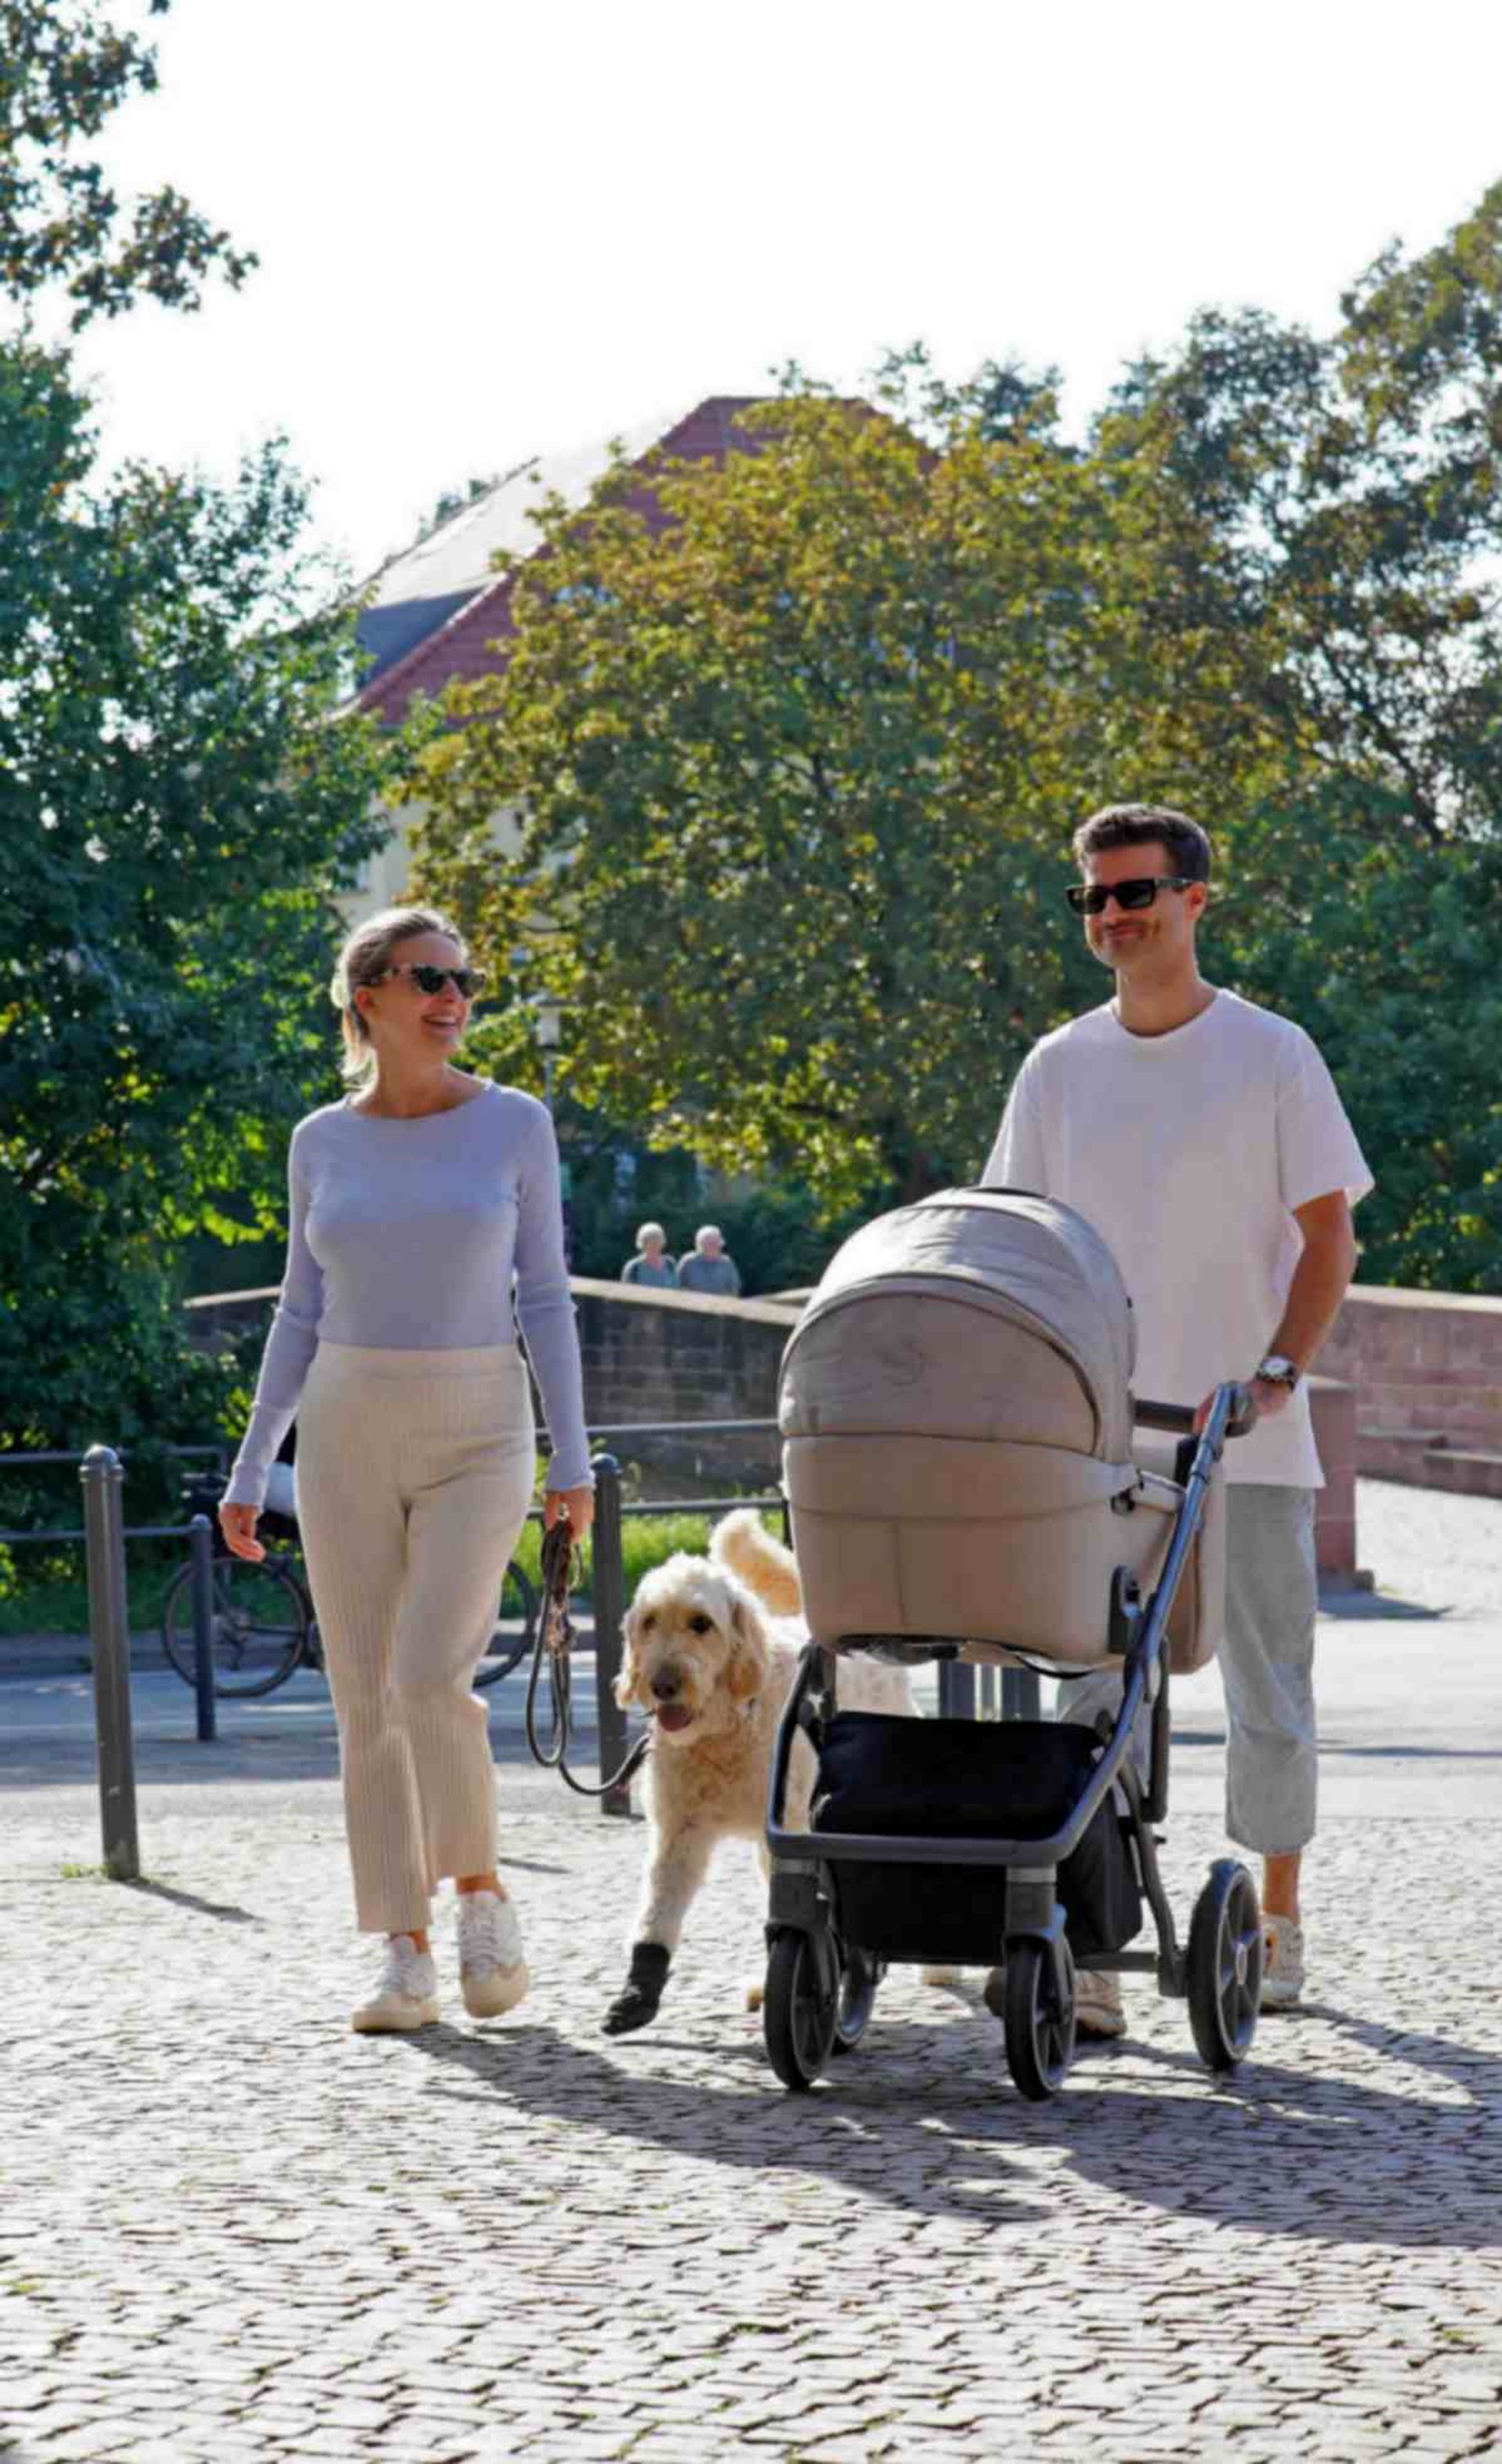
(794, 771)
(798, 741)
(64, 70)
(176, 810)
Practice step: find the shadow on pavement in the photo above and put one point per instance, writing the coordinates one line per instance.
(219, 1908)
(1355, 1607)
(923, 2118)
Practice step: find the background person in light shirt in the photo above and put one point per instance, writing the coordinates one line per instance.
(710, 1267)
(1204, 1140)
(651, 1263)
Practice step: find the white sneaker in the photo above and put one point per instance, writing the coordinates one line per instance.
(406, 1991)
(492, 1968)
(1282, 1963)
(1098, 2003)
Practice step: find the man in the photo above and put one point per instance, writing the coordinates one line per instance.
(1203, 1139)
(710, 1268)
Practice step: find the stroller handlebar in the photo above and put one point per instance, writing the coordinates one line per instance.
(1179, 1419)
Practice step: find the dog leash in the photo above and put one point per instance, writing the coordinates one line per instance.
(554, 1646)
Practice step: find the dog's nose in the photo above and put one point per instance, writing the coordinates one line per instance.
(667, 1682)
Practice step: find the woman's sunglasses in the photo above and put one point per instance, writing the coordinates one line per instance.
(1092, 897)
(466, 982)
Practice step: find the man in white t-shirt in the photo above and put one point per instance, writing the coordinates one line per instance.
(1203, 1139)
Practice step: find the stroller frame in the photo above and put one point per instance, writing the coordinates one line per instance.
(821, 1991)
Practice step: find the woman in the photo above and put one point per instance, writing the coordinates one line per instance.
(651, 1263)
(414, 1204)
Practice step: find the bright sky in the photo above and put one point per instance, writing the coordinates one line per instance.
(490, 230)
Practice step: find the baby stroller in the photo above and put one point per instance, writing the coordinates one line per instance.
(964, 1483)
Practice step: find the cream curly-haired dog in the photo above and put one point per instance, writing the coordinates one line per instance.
(711, 1645)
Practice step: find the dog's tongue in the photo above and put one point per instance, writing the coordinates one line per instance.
(673, 1715)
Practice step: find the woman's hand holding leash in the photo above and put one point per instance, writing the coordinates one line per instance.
(578, 1504)
(238, 1525)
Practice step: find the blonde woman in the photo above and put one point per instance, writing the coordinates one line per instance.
(424, 1210)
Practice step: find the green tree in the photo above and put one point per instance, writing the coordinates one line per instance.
(798, 764)
(176, 809)
(64, 70)
(795, 769)
(1307, 526)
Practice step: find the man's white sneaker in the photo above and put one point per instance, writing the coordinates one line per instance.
(406, 1991)
(1098, 2003)
(1282, 1963)
(492, 1967)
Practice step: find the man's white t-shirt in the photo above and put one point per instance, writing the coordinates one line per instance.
(1189, 1153)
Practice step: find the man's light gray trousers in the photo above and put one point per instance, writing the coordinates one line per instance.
(1266, 1661)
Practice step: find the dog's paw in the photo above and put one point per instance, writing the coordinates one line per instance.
(753, 1992)
(630, 2010)
(636, 2005)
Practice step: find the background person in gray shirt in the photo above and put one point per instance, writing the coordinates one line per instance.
(709, 1267)
(651, 1263)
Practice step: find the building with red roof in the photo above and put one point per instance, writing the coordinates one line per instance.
(439, 612)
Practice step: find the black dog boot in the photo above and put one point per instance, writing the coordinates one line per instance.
(636, 2007)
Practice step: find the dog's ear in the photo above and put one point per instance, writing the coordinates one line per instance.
(747, 1669)
(630, 1677)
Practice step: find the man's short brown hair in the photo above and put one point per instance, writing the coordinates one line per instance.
(1119, 825)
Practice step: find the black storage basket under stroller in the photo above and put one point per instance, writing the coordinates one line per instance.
(962, 1779)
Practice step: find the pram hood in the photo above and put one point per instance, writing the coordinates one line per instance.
(906, 1330)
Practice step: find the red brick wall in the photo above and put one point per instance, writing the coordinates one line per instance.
(1427, 1372)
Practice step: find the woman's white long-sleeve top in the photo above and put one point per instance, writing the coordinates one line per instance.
(435, 1233)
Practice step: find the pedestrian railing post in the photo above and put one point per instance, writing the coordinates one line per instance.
(201, 1545)
(956, 1690)
(109, 1636)
(609, 1595)
(1019, 1694)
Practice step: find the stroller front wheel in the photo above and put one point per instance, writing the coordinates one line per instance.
(1040, 2027)
(858, 1980)
(801, 2007)
(1224, 1965)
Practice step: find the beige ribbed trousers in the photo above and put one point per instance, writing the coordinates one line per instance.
(415, 1471)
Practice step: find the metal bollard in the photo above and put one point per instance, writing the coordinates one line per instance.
(609, 1590)
(201, 1546)
(956, 1690)
(1019, 1694)
(109, 1634)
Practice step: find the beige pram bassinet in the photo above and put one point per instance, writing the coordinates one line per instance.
(967, 1474)
(959, 1449)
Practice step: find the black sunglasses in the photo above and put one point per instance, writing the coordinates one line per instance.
(466, 982)
(1092, 897)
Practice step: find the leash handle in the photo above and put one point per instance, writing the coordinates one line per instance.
(554, 1644)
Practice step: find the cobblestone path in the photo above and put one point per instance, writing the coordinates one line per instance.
(228, 2228)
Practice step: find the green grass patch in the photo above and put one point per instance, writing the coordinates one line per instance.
(53, 1596)
(647, 1541)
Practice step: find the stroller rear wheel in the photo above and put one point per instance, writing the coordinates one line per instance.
(858, 1980)
(800, 2011)
(1040, 2027)
(1224, 1965)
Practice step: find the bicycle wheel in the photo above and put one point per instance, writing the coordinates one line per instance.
(515, 1629)
(258, 1626)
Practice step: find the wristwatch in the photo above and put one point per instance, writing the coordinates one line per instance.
(1277, 1371)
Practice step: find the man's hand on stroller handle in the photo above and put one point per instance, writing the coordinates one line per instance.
(1258, 1398)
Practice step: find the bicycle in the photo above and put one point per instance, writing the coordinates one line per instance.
(263, 1626)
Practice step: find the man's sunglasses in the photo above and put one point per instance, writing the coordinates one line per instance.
(1092, 897)
(466, 982)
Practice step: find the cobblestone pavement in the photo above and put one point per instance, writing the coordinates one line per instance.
(228, 2228)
